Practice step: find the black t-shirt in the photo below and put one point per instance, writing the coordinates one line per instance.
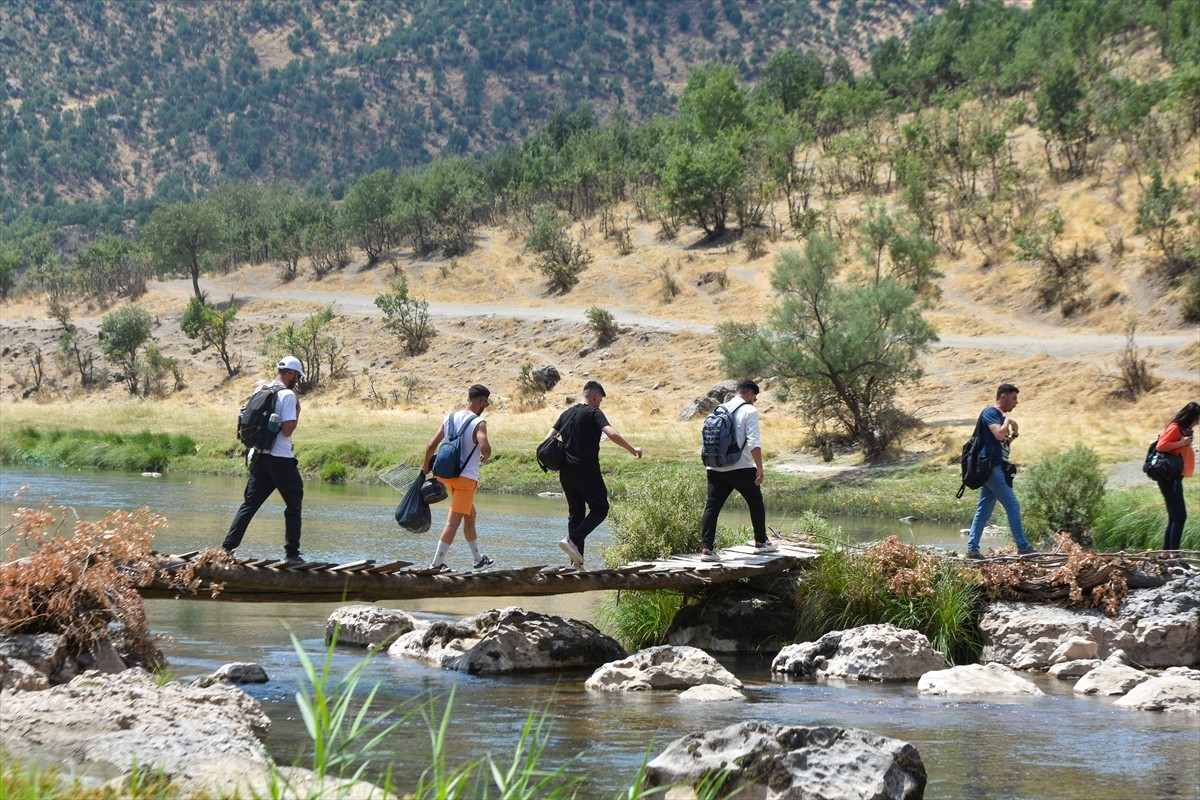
(581, 427)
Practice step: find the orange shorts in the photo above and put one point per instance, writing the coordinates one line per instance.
(462, 494)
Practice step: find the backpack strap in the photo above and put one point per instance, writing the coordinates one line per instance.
(733, 422)
(461, 430)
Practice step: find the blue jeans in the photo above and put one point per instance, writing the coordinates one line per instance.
(997, 489)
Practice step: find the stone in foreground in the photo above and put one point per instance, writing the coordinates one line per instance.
(662, 668)
(1167, 693)
(765, 761)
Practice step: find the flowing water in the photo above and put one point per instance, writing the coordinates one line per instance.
(1057, 746)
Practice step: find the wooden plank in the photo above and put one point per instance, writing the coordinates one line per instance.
(391, 566)
(354, 566)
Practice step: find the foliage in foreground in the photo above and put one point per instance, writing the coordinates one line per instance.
(891, 582)
(82, 585)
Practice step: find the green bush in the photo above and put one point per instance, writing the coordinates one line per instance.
(658, 517)
(638, 619)
(891, 582)
(333, 472)
(603, 325)
(136, 452)
(1064, 493)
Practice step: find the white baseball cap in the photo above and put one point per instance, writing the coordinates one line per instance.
(292, 363)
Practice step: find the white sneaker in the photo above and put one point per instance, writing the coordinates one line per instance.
(709, 555)
(572, 551)
(764, 547)
(484, 562)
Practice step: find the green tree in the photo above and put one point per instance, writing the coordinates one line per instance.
(111, 266)
(10, 261)
(844, 352)
(319, 350)
(367, 211)
(123, 335)
(213, 328)
(1065, 121)
(182, 236)
(406, 317)
(1156, 213)
(791, 79)
(702, 180)
(557, 256)
(296, 215)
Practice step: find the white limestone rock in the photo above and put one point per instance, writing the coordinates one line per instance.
(1110, 679)
(867, 653)
(1166, 693)
(976, 679)
(367, 626)
(665, 667)
(711, 693)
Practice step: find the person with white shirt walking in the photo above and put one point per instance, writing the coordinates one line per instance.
(473, 441)
(745, 475)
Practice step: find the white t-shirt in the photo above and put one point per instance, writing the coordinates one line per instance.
(287, 409)
(467, 444)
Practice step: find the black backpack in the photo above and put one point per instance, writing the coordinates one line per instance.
(252, 430)
(718, 442)
(976, 468)
(448, 461)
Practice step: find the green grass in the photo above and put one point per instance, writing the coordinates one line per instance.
(1133, 520)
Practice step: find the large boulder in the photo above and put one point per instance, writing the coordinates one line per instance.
(367, 626)
(103, 726)
(238, 672)
(740, 620)
(509, 640)
(44, 652)
(1166, 693)
(763, 761)
(664, 667)
(1110, 679)
(976, 679)
(1157, 627)
(867, 653)
(20, 676)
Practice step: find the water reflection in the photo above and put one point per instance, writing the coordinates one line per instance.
(1058, 746)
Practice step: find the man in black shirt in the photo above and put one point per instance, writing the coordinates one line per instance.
(587, 497)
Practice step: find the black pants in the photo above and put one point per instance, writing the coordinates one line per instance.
(268, 474)
(587, 502)
(720, 485)
(1172, 492)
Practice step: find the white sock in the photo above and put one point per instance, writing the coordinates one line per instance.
(439, 557)
(474, 545)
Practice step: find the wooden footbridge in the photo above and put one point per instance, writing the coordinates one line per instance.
(222, 578)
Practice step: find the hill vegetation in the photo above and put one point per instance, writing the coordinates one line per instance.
(1047, 155)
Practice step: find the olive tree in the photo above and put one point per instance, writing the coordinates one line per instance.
(182, 235)
(213, 328)
(123, 335)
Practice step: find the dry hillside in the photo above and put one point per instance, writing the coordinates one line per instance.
(492, 314)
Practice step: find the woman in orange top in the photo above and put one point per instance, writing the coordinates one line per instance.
(1177, 439)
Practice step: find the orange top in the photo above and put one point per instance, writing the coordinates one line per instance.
(1172, 436)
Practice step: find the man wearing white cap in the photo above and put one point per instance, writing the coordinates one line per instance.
(277, 468)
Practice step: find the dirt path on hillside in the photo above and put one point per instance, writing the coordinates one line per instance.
(1036, 338)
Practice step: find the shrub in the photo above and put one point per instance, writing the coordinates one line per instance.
(407, 318)
(603, 325)
(557, 256)
(891, 582)
(657, 518)
(1064, 493)
(755, 243)
(638, 619)
(83, 585)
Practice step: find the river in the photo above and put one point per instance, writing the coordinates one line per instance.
(1059, 746)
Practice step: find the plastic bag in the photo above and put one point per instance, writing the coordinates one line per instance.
(413, 512)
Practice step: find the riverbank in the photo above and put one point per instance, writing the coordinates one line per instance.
(341, 445)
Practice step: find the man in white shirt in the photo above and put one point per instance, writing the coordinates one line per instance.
(473, 442)
(277, 468)
(744, 475)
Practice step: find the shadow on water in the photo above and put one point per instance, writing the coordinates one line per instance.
(1058, 746)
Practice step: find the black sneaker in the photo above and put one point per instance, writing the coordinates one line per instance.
(484, 562)
(292, 561)
(437, 569)
(974, 555)
(1027, 551)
